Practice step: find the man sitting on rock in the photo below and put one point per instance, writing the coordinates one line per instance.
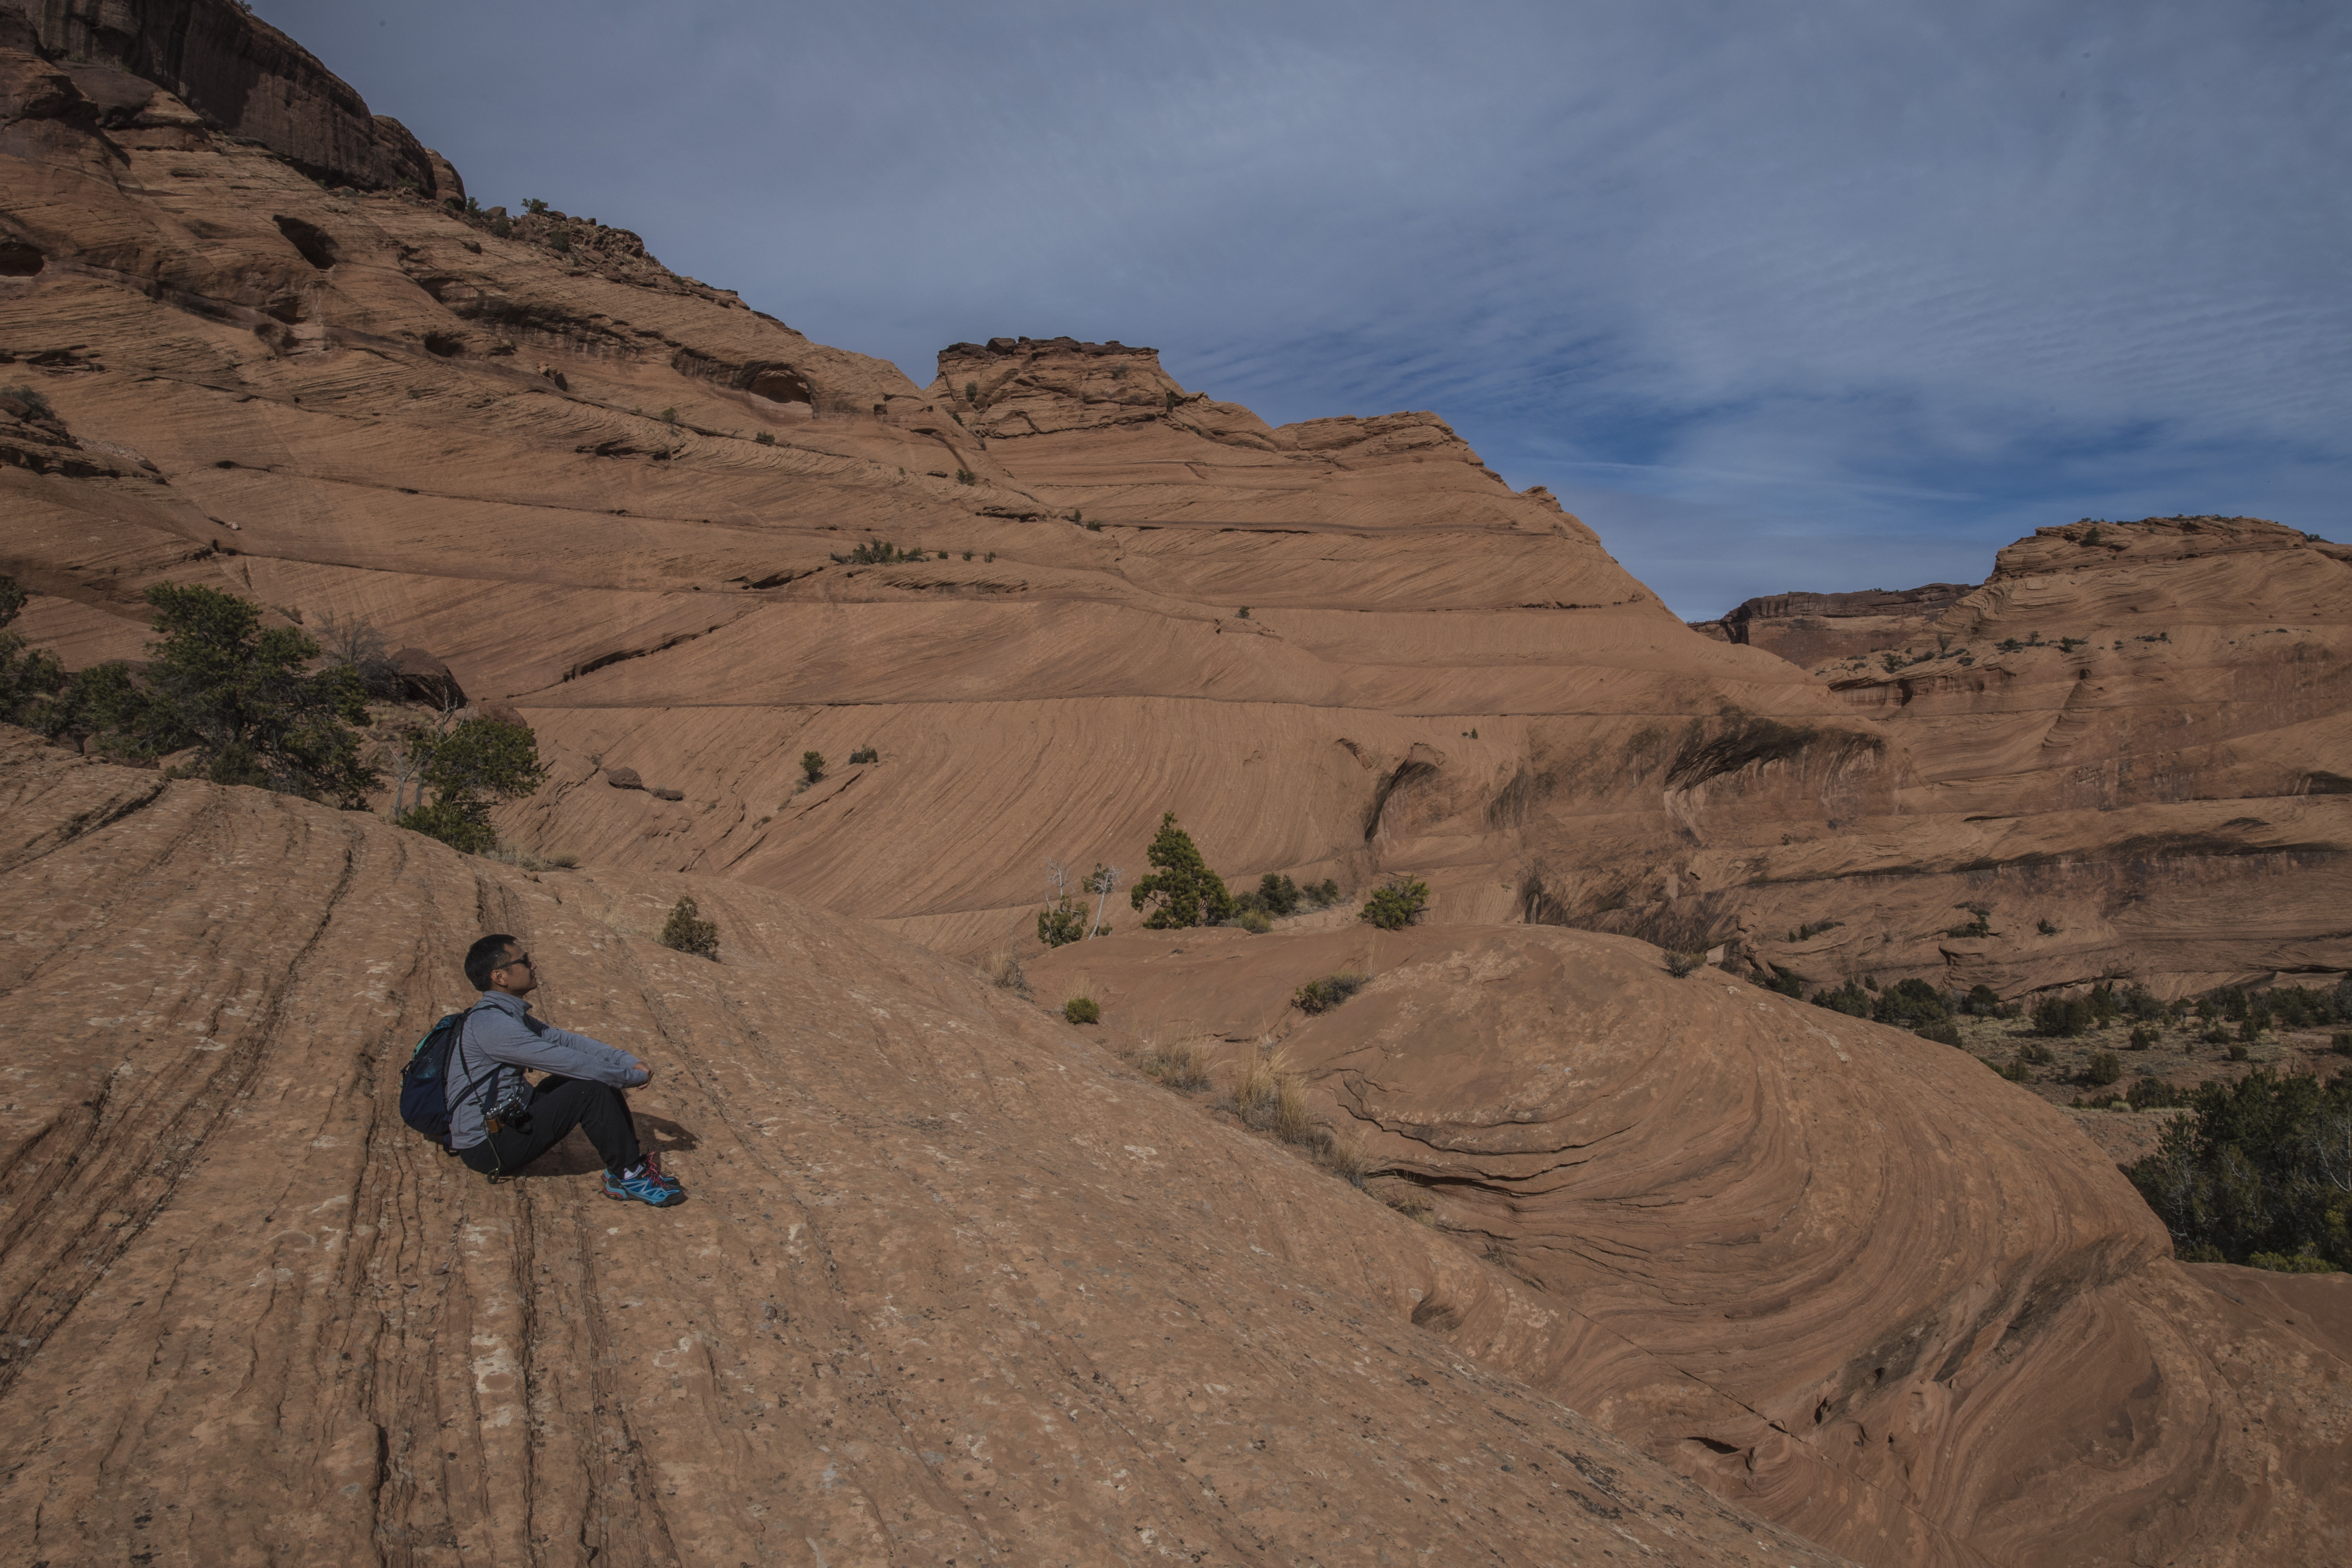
(499, 1122)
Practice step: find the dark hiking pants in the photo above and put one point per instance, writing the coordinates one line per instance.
(557, 1106)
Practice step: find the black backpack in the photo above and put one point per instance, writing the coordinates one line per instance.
(425, 1086)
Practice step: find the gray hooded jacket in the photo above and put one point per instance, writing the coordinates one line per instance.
(500, 1039)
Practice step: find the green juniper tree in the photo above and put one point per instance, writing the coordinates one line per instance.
(240, 694)
(30, 678)
(1182, 890)
(469, 768)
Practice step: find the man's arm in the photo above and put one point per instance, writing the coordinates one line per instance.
(502, 1037)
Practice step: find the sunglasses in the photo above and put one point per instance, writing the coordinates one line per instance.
(519, 960)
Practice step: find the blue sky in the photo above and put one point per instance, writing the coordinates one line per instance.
(1816, 294)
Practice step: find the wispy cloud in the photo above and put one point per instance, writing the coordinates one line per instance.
(1902, 277)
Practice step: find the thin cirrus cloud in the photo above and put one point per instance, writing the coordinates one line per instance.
(1815, 295)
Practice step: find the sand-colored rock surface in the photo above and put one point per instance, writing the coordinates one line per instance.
(626, 504)
(1848, 1277)
(1811, 628)
(2131, 748)
(950, 1286)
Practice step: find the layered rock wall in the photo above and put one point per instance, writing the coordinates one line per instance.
(243, 75)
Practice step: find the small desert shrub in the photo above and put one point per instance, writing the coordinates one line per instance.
(34, 401)
(1242, 614)
(1944, 1032)
(670, 416)
(1062, 922)
(966, 477)
(813, 765)
(1323, 894)
(529, 861)
(2341, 1043)
(2307, 1261)
(1322, 995)
(452, 825)
(2105, 1067)
(1908, 1005)
(1082, 1010)
(2039, 1056)
(1277, 895)
(880, 552)
(1849, 998)
(1680, 964)
(1396, 905)
(867, 754)
(2240, 1054)
(1254, 921)
(2046, 928)
(2154, 1094)
(2063, 1017)
(1813, 929)
(2142, 1037)
(688, 931)
(765, 438)
(1173, 401)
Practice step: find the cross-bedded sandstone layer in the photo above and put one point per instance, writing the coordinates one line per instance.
(950, 1285)
(1844, 1276)
(629, 506)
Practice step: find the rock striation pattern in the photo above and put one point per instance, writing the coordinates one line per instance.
(1055, 595)
(1811, 628)
(237, 74)
(1842, 1276)
(950, 1285)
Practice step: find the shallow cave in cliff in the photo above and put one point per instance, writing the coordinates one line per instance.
(782, 386)
(316, 247)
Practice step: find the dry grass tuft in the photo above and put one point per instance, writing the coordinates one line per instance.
(1679, 964)
(1410, 1203)
(1180, 1065)
(1002, 969)
(529, 860)
(1345, 1156)
(1271, 1098)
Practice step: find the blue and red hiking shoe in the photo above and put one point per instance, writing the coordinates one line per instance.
(653, 1169)
(646, 1186)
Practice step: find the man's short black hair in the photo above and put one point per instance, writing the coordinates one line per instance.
(486, 955)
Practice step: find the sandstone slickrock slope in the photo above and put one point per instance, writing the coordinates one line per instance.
(627, 504)
(950, 1286)
(1845, 1276)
